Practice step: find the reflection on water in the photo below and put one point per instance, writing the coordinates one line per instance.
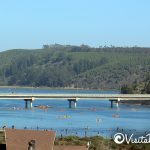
(92, 117)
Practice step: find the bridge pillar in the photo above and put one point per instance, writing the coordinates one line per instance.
(70, 103)
(74, 100)
(111, 105)
(29, 100)
(26, 104)
(117, 104)
(75, 104)
(114, 100)
(31, 104)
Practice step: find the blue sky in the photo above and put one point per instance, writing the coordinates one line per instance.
(32, 23)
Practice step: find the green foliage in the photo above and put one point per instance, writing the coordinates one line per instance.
(75, 66)
(99, 143)
(138, 88)
(127, 89)
(147, 88)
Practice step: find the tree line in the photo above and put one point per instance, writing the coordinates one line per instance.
(75, 66)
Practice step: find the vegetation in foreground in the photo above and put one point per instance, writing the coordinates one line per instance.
(75, 66)
(99, 143)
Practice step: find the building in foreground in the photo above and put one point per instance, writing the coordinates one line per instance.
(14, 139)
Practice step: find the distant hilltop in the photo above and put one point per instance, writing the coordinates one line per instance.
(75, 66)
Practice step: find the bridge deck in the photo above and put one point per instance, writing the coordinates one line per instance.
(79, 96)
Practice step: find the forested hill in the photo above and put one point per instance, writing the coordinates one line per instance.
(75, 66)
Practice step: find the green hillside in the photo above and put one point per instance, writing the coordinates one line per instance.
(75, 66)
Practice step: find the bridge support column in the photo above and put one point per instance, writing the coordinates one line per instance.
(75, 104)
(114, 100)
(70, 103)
(31, 104)
(111, 105)
(26, 104)
(29, 100)
(74, 100)
(117, 104)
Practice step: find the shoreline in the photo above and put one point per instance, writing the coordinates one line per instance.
(58, 88)
(135, 104)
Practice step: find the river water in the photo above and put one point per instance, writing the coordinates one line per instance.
(91, 117)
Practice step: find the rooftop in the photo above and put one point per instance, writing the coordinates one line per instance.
(19, 139)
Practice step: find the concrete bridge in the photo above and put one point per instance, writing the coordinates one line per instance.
(73, 98)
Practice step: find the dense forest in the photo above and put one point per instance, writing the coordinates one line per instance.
(75, 66)
(137, 88)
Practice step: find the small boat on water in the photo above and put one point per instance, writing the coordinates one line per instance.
(115, 116)
(43, 106)
(64, 117)
(133, 109)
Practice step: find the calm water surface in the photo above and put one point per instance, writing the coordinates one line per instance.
(91, 117)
